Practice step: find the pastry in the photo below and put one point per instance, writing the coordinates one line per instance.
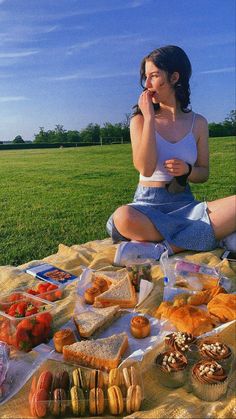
(204, 297)
(96, 379)
(58, 404)
(140, 327)
(115, 400)
(179, 341)
(90, 294)
(100, 283)
(45, 381)
(130, 376)
(209, 380)
(79, 379)
(77, 401)
(172, 368)
(39, 403)
(61, 380)
(114, 378)
(164, 310)
(133, 399)
(96, 401)
(63, 337)
(223, 307)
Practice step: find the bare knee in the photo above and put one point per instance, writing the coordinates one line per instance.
(124, 218)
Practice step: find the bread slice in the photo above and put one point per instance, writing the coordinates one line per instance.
(112, 277)
(122, 293)
(102, 353)
(89, 322)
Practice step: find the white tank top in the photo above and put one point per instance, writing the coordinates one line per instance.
(184, 149)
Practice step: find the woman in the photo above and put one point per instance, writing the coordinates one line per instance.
(170, 148)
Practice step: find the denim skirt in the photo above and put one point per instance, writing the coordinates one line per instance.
(179, 217)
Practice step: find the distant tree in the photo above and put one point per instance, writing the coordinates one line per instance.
(73, 136)
(90, 134)
(225, 128)
(41, 137)
(18, 140)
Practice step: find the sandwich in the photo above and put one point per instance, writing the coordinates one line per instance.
(102, 353)
(122, 294)
(96, 319)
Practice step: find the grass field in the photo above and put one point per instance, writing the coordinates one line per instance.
(52, 196)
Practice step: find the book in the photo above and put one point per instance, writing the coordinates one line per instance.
(50, 273)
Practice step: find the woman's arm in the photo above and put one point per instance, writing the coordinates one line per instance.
(142, 132)
(200, 171)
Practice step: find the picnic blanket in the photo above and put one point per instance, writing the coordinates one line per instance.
(160, 402)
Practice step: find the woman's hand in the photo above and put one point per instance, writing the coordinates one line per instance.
(176, 167)
(146, 105)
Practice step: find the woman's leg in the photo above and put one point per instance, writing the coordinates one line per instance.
(136, 226)
(222, 214)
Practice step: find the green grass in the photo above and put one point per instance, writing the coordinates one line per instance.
(52, 196)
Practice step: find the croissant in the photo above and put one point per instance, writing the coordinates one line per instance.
(223, 307)
(192, 320)
(164, 310)
(203, 297)
(180, 299)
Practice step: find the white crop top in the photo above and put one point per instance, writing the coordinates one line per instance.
(184, 149)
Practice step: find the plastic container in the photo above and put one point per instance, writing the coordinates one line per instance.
(137, 271)
(46, 291)
(63, 392)
(27, 322)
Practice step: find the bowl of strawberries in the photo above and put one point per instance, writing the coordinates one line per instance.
(26, 321)
(46, 291)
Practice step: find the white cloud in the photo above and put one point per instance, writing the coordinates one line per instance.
(84, 76)
(219, 70)
(17, 54)
(12, 98)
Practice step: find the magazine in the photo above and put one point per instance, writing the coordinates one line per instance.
(50, 273)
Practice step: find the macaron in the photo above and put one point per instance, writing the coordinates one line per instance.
(79, 379)
(133, 398)
(33, 388)
(96, 401)
(39, 403)
(114, 378)
(77, 401)
(58, 404)
(115, 400)
(45, 381)
(130, 376)
(61, 380)
(96, 379)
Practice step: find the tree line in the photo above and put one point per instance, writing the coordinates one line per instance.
(111, 133)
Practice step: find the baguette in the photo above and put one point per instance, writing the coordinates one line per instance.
(122, 293)
(102, 353)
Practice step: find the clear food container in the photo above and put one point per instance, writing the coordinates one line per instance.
(26, 322)
(46, 291)
(78, 391)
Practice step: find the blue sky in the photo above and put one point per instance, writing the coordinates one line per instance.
(73, 62)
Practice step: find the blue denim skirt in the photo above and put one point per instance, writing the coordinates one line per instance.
(179, 217)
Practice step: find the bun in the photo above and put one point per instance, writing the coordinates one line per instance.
(223, 307)
(63, 337)
(90, 294)
(101, 283)
(140, 327)
(102, 353)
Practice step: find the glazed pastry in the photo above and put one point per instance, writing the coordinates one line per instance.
(140, 327)
(209, 380)
(45, 381)
(77, 401)
(39, 403)
(96, 401)
(223, 307)
(96, 379)
(172, 368)
(90, 294)
(114, 378)
(63, 337)
(133, 399)
(179, 341)
(130, 376)
(204, 297)
(100, 283)
(58, 405)
(115, 400)
(61, 380)
(79, 379)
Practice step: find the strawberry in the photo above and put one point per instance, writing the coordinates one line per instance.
(38, 330)
(43, 287)
(26, 324)
(15, 297)
(58, 294)
(32, 292)
(30, 310)
(45, 318)
(23, 341)
(52, 287)
(12, 310)
(20, 310)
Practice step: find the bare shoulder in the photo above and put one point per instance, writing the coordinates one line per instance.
(201, 126)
